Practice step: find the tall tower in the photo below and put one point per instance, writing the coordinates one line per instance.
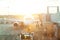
(48, 18)
(57, 9)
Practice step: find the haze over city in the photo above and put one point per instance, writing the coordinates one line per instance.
(13, 7)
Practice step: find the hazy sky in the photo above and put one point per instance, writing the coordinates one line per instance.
(26, 6)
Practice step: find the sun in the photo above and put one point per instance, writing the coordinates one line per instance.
(24, 7)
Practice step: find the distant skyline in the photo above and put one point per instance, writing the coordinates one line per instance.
(13, 7)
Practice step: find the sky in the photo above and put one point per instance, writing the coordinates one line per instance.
(13, 7)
